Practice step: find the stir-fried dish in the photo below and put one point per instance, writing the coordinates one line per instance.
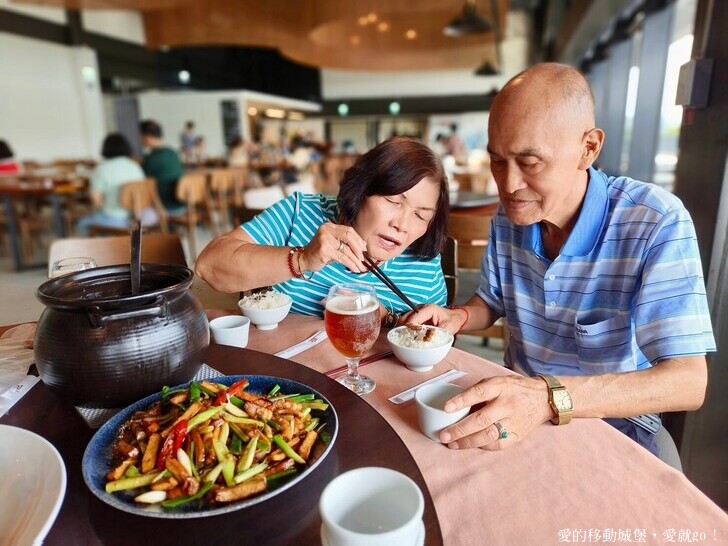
(210, 444)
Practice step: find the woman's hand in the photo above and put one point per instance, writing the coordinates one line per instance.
(334, 243)
(518, 404)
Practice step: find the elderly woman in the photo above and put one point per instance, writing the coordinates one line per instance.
(393, 203)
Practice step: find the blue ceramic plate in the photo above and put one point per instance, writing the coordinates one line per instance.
(96, 460)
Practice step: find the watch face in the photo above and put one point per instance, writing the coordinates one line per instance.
(562, 400)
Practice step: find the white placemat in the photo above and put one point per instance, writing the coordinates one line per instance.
(95, 417)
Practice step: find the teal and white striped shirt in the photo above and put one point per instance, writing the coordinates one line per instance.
(295, 220)
(626, 291)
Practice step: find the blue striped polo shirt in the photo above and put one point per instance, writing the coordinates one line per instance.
(626, 291)
(295, 220)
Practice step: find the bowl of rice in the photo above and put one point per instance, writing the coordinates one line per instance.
(420, 347)
(265, 309)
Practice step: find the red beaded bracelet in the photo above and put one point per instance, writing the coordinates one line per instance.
(291, 252)
(297, 275)
(467, 314)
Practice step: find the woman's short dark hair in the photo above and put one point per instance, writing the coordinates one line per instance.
(6, 152)
(115, 145)
(391, 168)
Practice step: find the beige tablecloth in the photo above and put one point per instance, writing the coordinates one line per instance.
(585, 482)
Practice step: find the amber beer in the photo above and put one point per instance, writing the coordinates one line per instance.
(352, 323)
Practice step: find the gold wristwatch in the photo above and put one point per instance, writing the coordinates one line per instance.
(559, 400)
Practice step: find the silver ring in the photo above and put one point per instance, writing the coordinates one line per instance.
(502, 432)
(342, 244)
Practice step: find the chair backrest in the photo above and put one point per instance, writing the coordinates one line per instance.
(448, 262)
(222, 180)
(192, 188)
(471, 232)
(138, 196)
(156, 248)
(262, 198)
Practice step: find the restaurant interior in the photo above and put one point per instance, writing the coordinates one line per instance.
(260, 100)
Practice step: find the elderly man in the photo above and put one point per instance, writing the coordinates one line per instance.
(599, 279)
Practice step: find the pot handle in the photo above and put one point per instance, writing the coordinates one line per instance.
(99, 318)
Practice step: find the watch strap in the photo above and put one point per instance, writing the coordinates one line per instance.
(561, 417)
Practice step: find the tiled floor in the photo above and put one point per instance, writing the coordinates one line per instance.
(19, 304)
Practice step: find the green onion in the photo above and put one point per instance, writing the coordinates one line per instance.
(207, 391)
(312, 425)
(132, 472)
(236, 445)
(253, 471)
(242, 420)
(246, 460)
(184, 500)
(237, 401)
(130, 483)
(212, 475)
(280, 475)
(288, 450)
(274, 390)
(316, 405)
(202, 417)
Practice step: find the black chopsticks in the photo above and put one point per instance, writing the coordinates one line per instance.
(371, 265)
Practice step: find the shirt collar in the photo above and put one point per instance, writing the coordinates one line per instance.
(588, 226)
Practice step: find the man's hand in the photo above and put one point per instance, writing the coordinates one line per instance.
(449, 319)
(518, 404)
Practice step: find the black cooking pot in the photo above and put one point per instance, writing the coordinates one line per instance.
(97, 344)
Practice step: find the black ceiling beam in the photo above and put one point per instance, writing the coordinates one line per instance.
(410, 105)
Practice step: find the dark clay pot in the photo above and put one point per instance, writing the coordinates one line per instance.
(96, 344)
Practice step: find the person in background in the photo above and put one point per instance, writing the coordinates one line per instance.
(106, 181)
(440, 146)
(161, 163)
(455, 144)
(188, 140)
(599, 278)
(238, 153)
(199, 154)
(8, 165)
(392, 203)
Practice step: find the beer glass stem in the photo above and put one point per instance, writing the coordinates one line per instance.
(352, 376)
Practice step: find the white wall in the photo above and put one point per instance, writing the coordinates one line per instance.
(172, 110)
(337, 84)
(55, 15)
(47, 109)
(122, 25)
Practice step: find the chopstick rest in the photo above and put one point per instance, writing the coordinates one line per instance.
(409, 394)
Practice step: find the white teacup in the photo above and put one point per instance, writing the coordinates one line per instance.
(372, 506)
(230, 330)
(431, 400)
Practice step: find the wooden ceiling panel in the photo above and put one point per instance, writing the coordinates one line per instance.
(348, 34)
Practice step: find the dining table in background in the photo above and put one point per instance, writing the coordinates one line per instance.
(14, 190)
(560, 484)
(469, 202)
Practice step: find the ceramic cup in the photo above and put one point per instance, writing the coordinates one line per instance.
(230, 330)
(430, 401)
(371, 506)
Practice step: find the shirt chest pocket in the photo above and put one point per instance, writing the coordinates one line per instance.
(604, 343)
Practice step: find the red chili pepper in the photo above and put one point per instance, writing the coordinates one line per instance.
(173, 442)
(234, 389)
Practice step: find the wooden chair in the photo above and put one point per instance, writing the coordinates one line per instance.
(156, 248)
(223, 186)
(136, 197)
(192, 190)
(472, 233)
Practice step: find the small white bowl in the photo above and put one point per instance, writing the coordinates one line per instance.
(420, 359)
(266, 319)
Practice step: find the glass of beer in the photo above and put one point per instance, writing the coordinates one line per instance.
(352, 324)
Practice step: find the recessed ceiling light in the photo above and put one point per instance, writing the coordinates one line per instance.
(383, 26)
(296, 116)
(363, 21)
(275, 113)
(355, 40)
(252, 111)
(372, 17)
(411, 34)
(184, 76)
(394, 108)
(343, 109)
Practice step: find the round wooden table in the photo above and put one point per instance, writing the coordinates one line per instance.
(364, 439)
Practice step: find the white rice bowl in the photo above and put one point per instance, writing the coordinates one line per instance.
(417, 354)
(265, 309)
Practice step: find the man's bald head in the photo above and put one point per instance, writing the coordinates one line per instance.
(552, 86)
